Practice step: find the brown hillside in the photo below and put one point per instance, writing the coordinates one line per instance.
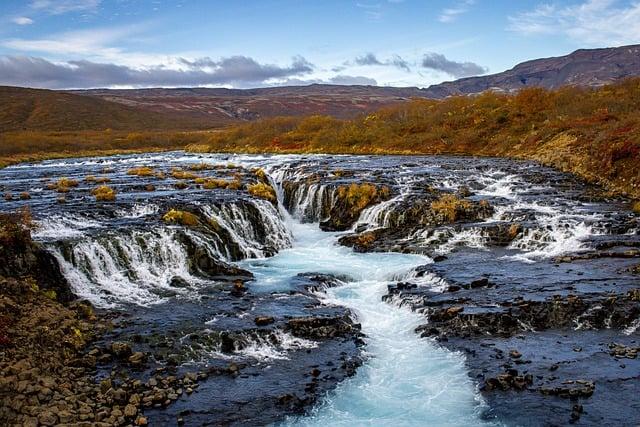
(38, 110)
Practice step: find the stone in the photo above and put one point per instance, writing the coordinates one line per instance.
(137, 359)
(120, 349)
(47, 418)
(130, 411)
(263, 320)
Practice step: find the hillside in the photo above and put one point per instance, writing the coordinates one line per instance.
(594, 133)
(584, 67)
(250, 104)
(37, 109)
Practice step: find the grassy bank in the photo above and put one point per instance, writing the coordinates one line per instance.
(26, 146)
(594, 134)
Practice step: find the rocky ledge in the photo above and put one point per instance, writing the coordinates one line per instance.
(564, 353)
(234, 355)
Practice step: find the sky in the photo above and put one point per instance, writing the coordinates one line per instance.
(255, 43)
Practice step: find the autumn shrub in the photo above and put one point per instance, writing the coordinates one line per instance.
(104, 193)
(263, 191)
(175, 216)
(450, 207)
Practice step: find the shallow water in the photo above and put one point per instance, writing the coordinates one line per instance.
(406, 380)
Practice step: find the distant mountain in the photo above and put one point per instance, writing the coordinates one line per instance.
(584, 67)
(248, 104)
(39, 109)
(196, 108)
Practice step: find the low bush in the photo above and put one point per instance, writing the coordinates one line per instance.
(263, 191)
(104, 193)
(175, 216)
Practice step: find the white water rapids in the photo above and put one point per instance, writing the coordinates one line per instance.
(406, 380)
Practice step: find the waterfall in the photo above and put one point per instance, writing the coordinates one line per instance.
(133, 267)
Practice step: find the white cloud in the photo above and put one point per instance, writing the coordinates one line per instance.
(452, 13)
(58, 7)
(95, 43)
(22, 20)
(236, 71)
(590, 22)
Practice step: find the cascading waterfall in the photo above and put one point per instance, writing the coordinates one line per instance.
(130, 267)
(137, 267)
(244, 230)
(406, 378)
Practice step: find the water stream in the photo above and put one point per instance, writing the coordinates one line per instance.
(124, 256)
(406, 379)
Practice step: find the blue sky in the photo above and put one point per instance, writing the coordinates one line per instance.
(141, 43)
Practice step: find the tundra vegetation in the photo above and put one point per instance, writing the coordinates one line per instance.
(593, 133)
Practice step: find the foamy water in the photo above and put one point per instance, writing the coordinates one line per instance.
(406, 380)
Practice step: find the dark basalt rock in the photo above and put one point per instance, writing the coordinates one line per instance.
(350, 200)
(27, 258)
(322, 327)
(234, 379)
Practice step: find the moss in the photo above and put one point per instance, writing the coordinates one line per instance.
(51, 294)
(97, 179)
(181, 185)
(263, 191)
(15, 228)
(201, 166)
(104, 193)
(213, 183)
(636, 207)
(25, 195)
(141, 171)
(181, 174)
(63, 185)
(8, 196)
(359, 196)
(175, 216)
(450, 207)
(261, 174)
(149, 187)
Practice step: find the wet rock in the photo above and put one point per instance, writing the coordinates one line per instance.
(571, 389)
(178, 282)
(137, 359)
(623, 351)
(321, 327)
(120, 349)
(263, 320)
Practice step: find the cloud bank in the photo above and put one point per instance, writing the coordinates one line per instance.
(438, 62)
(238, 71)
(371, 59)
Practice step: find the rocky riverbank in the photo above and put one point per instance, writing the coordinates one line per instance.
(162, 298)
(65, 363)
